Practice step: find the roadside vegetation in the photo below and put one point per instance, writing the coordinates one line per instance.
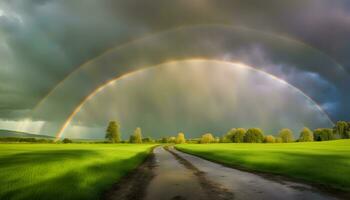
(65, 171)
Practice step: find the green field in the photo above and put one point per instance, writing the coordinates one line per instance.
(326, 163)
(64, 171)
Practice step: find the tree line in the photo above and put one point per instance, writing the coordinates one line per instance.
(113, 134)
(341, 130)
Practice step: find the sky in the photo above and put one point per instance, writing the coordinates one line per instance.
(304, 42)
(195, 97)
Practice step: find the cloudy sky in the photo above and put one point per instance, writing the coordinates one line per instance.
(304, 42)
(196, 96)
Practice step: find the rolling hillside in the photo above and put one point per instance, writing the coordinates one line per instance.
(8, 133)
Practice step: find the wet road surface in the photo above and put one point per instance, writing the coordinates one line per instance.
(174, 175)
(245, 185)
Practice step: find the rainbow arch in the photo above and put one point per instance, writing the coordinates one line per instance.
(109, 82)
(177, 44)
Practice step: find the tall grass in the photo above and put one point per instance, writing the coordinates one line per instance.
(64, 171)
(326, 163)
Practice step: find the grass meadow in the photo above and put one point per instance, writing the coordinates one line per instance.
(325, 163)
(64, 171)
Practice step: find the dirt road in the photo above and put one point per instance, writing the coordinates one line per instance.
(173, 175)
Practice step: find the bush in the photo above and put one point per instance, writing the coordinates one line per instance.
(278, 140)
(136, 137)
(306, 135)
(207, 138)
(324, 134)
(147, 140)
(66, 141)
(228, 137)
(172, 140)
(163, 140)
(194, 141)
(254, 135)
(286, 135)
(238, 137)
(180, 139)
(224, 139)
(269, 139)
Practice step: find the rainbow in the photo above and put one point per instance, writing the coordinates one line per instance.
(104, 85)
(55, 89)
(153, 35)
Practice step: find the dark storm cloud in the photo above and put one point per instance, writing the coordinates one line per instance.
(45, 40)
(41, 41)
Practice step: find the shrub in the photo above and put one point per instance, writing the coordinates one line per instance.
(147, 140)
(269, 139)
(172, 140)
(278, 140)
(286, 135)
(136, 137)
(306, 135)
(207, 138)
(238, 137)
(194, 141)
(254, 135)
(180, 139)
(224, 139)
(66, 141)
(216, 139)
(324, 134)
(163, 140)
(228, 137)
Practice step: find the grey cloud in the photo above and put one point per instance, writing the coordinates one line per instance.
(44, 40)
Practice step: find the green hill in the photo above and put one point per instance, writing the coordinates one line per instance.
(17, 134)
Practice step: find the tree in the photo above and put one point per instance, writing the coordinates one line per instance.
(180, 139)
(254, 135)
(324, 134)
(286, 135)
(113, 132)
(228, 137)
(239, 135)
(207, 138)
(342, 129)
(137, 136)
(306, 135)
(269, 139)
